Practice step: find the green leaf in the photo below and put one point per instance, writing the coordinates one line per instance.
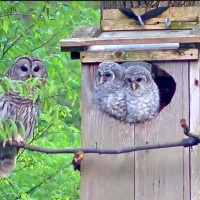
(19, 87)
(25, 91)
(35, 19)
(45, 104)
(9, 83)
(22, 7)
(56, 114)
(21, 28)
(5, 25)
(2, 132)
(7, 128)
(2, 90)
(51, 87)
(36, 95)
(14, 127)
(45, 19)
(34, 82)
(22, 127)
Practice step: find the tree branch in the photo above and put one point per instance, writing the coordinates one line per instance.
(3, 54)
(186, 142)
(45, 42)
(187, 132)
(21, 14)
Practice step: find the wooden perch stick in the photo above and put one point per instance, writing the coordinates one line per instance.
(187, 132)
(186, 142)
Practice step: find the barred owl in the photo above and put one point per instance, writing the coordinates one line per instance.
(18, 108)
(142, 95)
(108, 89)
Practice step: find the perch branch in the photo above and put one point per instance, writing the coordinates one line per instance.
(186, 142)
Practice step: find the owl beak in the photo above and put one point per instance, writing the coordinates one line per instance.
(134, 86)
(101, 80)
(30, 75)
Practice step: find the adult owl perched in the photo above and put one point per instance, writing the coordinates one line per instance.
(108, 89)
(18, 108)
(142, 95)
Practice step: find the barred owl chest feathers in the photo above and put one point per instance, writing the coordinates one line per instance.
(108, 89)
(142, 95)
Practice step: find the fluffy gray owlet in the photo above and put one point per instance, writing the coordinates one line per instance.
(142, 95)
(108, 89)
(18, 108)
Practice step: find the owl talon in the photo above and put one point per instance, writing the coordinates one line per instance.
(4, 143)
(19, 140)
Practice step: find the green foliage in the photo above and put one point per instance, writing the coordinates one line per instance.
(36, 28)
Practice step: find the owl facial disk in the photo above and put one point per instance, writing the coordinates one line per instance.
(105, 76)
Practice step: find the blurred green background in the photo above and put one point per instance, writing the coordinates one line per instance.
(35, 28)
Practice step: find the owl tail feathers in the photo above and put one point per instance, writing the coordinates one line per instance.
(7, 160)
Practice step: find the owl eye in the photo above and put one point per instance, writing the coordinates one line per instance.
(36, 69)
(107, 74)
(139, 79)
(129, 80)
(24, 69)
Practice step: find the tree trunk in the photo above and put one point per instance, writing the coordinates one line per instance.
(145, 4)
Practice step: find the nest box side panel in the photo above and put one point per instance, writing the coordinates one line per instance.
(195, 127)
(104, 176)
(164, 173)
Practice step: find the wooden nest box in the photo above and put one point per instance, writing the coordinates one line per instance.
(173, 57)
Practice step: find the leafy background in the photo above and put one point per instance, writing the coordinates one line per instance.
(36, 28)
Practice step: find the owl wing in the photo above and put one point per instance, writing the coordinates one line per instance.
(7, 154)
(15, 107)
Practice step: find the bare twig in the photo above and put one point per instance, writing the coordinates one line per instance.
(45, 42)
(185, 143)
(187, 132)
(21, 14)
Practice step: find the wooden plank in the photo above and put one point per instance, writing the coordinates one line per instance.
(128, 24)
(89, 31)
(170, 12)
(155, 20)
(140, 55)
(144, 34)
(104, 176)
(185, 114)
(127, 40)
(195, 127)
(161, 173)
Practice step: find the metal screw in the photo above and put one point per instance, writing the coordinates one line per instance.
(182, 54)
(126, 55)
(179, 23)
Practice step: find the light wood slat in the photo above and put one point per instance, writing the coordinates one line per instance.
(185, 114)
(163, 173)
(156, 20)
(128, 24)
(140, 55)
(104, 177)
(195, 127)
(127, 40)
(171, 12)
